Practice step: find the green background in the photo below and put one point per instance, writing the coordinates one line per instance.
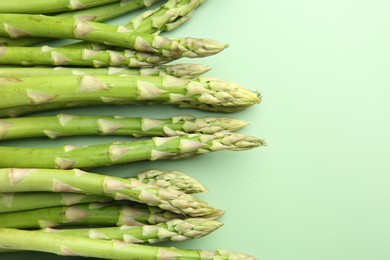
(320, 189)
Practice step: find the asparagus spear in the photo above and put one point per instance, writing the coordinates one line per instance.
(92, 214)
(18, 201)
(48, 6)
(21, 25)
(25, 110)
(157, 148)
(97, 14)
(110, 249)
(66, 125)
(76, 181)
(182, 70)
(172, 230)
(202, 93)
(45, 55)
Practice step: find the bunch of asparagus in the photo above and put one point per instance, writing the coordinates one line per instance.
(48, 202)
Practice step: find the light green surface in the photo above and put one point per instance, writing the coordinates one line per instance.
(320, 190)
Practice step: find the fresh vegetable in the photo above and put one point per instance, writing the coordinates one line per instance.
(98, 14)
(92, 214)
(22, 25)
(172, 230)
(66, 125)
(46, 187)
(110, 249)
(19, 201)
(157, 148)
(45, 55)
(203, 93)
(77, 181)
(181, 70)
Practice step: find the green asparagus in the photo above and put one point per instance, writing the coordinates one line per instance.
(45, 55)
(48, 6)
(109, 249)
(92, 214)
(77, 181)
(173, 230)
(181, 70)
(18, 201)
(67, 125)
(22, 25)
(96, 14)
(156, 148)
(203, 93)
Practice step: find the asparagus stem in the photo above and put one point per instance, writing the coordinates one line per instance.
(157, 148)
(25, 110)
(21, 25)
(54, 126)
(45, 55)
(97, 14)
(182, 70)
(202, 93)
(77, 181)
(109, 249)
(92, 214)
(19, 201)
(48, 6)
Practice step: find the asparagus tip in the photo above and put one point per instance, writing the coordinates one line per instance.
(231, 124)
(187, 70)
(203, 47)
(226, 96)
(194, 227)
(234, 141)
(215, 215)
(172, 180)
